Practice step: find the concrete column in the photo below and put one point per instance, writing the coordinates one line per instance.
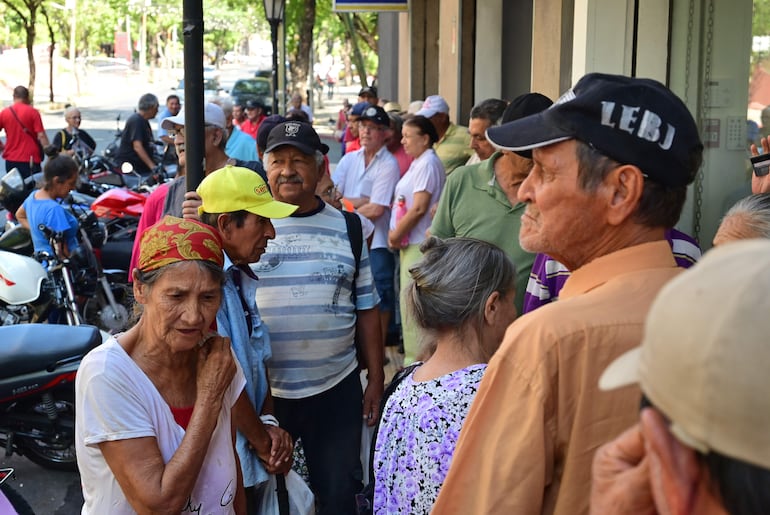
(388, 64)
(552, 46)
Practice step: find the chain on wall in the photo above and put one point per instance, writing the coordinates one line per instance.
(703, 112)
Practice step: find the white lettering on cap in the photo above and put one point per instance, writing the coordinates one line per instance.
(292, 129)
(648, 128)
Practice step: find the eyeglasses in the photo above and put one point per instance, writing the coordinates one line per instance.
(179, 129)
(369, 128)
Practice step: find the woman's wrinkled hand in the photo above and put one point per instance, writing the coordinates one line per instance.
(216, 367)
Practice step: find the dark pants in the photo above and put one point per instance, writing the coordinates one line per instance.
(23, 167)
(330, 427)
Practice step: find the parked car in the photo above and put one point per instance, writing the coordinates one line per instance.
(254, 88)
(211, 88)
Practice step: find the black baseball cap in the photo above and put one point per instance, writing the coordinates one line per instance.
(296, 134)
(368, 91)
(376, 114)
(633, 121)
(520, 107)
(254, 104)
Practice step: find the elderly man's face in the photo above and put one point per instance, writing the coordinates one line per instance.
(293, 175)
(561, 219)
(372, 135)
(73, 118)
(477, 128)
(177, 133)
(247, 243)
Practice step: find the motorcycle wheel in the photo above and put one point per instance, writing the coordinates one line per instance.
(17, 502)
(97, 311)
(58, 454)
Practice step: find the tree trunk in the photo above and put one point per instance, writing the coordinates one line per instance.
(51, 49)
(358, 59)
(301, 70)
(31, 55)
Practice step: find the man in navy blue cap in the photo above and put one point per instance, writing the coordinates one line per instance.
(612, 161)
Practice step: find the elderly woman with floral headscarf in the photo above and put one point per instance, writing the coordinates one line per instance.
(153, 404)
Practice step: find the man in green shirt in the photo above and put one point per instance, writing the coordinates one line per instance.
(480, 201)
(453, 147)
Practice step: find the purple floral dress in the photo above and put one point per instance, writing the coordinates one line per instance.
(419, 430)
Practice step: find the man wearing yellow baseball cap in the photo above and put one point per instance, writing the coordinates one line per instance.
(238, 204)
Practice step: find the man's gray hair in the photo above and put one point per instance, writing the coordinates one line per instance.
(70, 110)
(753, 212)
(147, 102)
(491, 109)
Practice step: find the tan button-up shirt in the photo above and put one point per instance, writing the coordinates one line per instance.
(527, 444)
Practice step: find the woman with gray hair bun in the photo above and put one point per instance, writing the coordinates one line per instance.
(461, 297)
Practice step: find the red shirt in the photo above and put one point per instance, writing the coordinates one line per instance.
(250, 127)
(19, 145)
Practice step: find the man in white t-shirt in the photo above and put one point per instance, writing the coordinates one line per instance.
(367, 178)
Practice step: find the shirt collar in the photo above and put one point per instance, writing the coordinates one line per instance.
(655, 254)
(246, 269)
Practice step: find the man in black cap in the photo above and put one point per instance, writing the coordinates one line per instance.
(255, 113)
(368, 94)
(367, 179)
(480, 201)
(612, 161)
(320, 303)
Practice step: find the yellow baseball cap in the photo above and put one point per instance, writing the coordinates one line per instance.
(234, 188)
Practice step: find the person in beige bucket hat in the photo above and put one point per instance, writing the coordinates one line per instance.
(703, 442)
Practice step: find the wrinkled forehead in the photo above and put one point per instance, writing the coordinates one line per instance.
(286, 151)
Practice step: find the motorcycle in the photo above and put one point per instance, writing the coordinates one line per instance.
(35, 289)
(11, 502)
(37, 390)
(67, 290)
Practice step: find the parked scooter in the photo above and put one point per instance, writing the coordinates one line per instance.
(38, 364)
(37, 289)
(11, 501)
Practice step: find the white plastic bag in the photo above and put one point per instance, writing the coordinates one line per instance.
(301, 498)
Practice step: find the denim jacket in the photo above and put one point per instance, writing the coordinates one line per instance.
(252, 353)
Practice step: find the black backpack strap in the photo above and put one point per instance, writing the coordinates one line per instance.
(356, 237)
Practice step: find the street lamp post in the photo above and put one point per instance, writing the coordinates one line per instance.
(274, 15)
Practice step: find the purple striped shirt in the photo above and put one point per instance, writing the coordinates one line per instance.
(548, 275)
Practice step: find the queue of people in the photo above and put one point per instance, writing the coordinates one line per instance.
(264, 310)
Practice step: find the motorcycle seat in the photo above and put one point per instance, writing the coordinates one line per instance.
(26, 348)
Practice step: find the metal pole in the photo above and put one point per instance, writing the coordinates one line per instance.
(274, 41)
(192, 22)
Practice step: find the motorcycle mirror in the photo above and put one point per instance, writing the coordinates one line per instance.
(126, 168)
